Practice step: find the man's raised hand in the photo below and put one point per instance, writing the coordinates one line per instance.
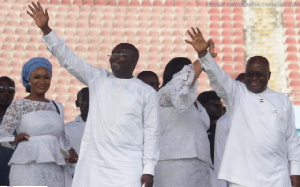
(40, 17)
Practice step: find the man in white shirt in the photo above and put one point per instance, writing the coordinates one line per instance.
(119, 145)
(263, 148)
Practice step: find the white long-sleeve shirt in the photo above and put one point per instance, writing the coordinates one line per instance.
(120, 138)
(263, 148)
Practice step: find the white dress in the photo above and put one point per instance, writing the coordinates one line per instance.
(36, 161)
(119, 143)
(184, 145)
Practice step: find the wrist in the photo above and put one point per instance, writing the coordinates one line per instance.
(202, 53)
(46, 29)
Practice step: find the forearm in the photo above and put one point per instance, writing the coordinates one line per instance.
(220, 81)
(197, 70)
(151, 134)
(74, 64)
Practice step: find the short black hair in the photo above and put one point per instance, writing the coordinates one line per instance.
(80, 92)
(8, 79)
(144, 74)
(130, 47)
(174, 66)
(206, 96)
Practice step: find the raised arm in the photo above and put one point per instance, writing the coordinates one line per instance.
(220, 81)
(74, 64)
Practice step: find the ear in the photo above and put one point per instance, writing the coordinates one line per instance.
(269, 75)
(77, 103)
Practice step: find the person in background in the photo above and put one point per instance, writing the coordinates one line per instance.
(214, 108)
(39, 124)
(74, 131)
(119, 144)
(150, 78)
(7, 93)
(263, 146)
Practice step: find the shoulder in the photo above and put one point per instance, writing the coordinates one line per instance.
(17, 104)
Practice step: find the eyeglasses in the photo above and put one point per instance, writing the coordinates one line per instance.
(119, 55)
(9, 89)
(256, 74)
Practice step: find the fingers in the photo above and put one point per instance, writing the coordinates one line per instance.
(46, 12)
(32, 9)
(40, 7)
(35, 6)
(191, 35)
(187, 41)
(31, 15)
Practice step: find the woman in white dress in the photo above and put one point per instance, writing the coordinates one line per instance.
(39, 124)
(184, 145)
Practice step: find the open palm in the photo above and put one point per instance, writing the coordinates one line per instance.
(40, 17)
(199, 43)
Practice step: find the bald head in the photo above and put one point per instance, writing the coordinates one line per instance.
(258, 59)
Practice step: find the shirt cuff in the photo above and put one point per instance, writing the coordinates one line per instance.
(50, 38)
(206, 62)
(294, 168)
(148, 169)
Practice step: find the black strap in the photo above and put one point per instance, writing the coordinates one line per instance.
(56, 107)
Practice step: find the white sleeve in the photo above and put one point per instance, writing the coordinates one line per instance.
(220, 81)
(292, 143)
(74, 64)
(179, 92)
(9, 124)
(222, 130)
(151, 134)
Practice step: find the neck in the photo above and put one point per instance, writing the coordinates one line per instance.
(36, 97)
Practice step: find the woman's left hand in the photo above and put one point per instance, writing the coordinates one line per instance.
(73, 157)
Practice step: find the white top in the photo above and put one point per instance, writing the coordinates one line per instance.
(41, 121)
(263, 147)
(74, 132)
(222, 131)
(183, 126)
(122, 127)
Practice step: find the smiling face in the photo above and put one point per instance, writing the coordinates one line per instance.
(39, 81)
(257, 74)
(123, 61)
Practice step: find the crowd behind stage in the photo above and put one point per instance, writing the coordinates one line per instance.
(136, 131)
